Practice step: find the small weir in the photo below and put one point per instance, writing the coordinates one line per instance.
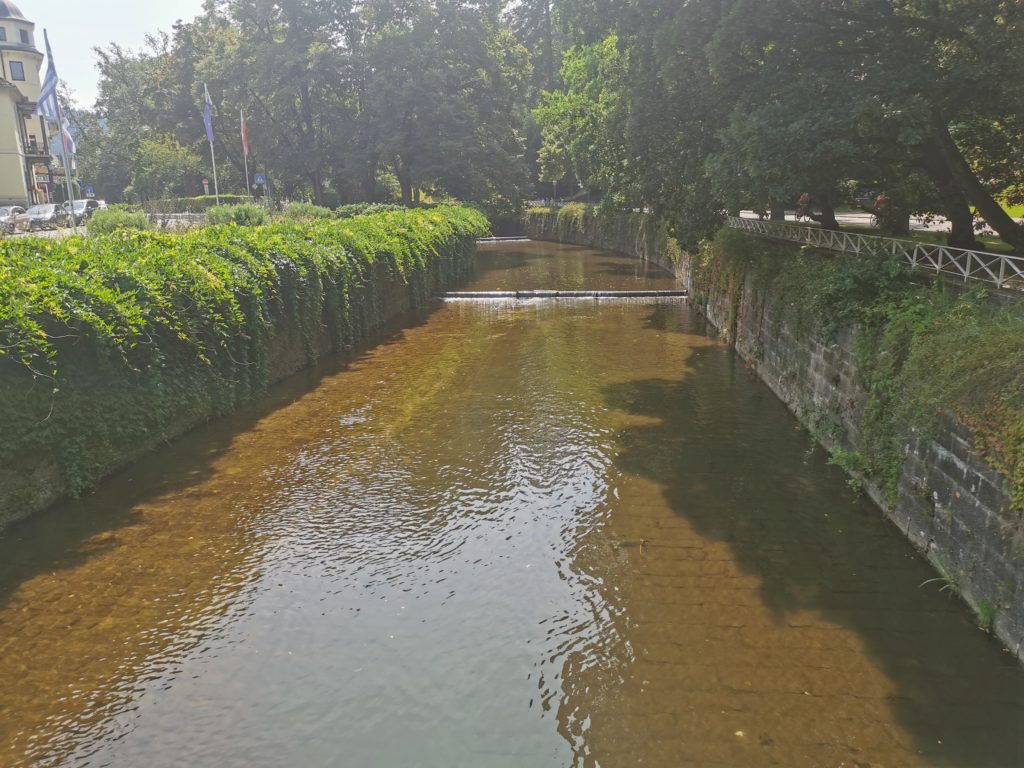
(483, 295)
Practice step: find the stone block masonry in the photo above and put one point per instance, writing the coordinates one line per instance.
(954, 508)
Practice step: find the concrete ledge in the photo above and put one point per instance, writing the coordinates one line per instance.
(476, 295)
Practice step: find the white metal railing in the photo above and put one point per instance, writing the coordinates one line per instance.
(1003, 270)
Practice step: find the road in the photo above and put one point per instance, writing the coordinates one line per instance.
(861, 219)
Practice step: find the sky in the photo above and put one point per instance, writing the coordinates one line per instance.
(77, 26)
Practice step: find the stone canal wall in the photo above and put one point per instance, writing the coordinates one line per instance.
(287, 296)
(956, 509)
(631, 234)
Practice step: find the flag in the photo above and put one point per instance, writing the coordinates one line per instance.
(208, 115)
(245, 135)
(49, 105)
(69, 142)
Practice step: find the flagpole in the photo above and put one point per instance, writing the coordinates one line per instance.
(67, 175)
(55, 113)
(245, 153)
(216, 188)
(213, 156)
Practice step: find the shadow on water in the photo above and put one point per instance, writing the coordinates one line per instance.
(71, 533)
(816, 548)
(503, 261)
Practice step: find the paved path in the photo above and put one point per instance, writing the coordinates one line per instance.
(860, 219)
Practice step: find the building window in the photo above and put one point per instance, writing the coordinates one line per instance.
(24, 37)
(3, 34)
(17, 70)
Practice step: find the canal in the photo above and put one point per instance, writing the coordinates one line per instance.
(571, 533)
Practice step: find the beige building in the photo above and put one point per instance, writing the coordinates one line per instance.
(24, 139)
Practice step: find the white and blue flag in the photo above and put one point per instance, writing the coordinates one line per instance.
(49, 104)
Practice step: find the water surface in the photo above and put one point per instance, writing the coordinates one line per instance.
(571, 533)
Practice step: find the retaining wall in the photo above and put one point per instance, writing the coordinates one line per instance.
(35, 480)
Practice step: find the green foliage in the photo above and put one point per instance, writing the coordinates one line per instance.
(364, 209)
(853, 463)
(633, 233)
(244, 215)
(305, 211)
(161, 166)
(105, 222)
(107, 342)
(199, 204)
(584, 124)
(986, 615)
(694, 108)
(926, 352)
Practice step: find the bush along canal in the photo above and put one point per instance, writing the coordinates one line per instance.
(516, 533)
(111, 345)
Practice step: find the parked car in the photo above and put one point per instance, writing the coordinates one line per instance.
(44, 216)
(8, 218)
(84, 209)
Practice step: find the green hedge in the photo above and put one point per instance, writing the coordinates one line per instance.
(107, 341)
(106, 221)
(245, 215)
(364, 209)
(300, 210)
(199, 204)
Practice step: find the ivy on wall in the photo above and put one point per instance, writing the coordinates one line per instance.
(926, 349)
(109, 340)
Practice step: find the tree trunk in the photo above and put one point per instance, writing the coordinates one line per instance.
(370, 185)
(778, 211)
(954, 204)
(549, 49)
(416, 196)
(406, 183)
(1009, 230)
(318, 187)
(827, 217)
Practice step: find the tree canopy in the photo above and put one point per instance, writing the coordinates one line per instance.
(689, 108)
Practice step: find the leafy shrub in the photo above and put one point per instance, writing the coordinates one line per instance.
(193, 204)
(108, 341)
(365, 209)
(245, 215)
(300, 210)
(103, 222)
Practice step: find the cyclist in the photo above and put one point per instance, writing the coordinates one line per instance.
(803, 206)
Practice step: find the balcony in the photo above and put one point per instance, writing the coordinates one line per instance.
(35, 151)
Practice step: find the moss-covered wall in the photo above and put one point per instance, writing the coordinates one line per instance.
(916, 388)
(632, 234)
(116, 344)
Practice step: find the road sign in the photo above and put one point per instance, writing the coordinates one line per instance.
(90, 192)
(260, 179)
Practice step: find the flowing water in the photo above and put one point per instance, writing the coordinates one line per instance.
(570, 533)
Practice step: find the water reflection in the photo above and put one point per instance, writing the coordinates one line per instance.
(521, 533)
